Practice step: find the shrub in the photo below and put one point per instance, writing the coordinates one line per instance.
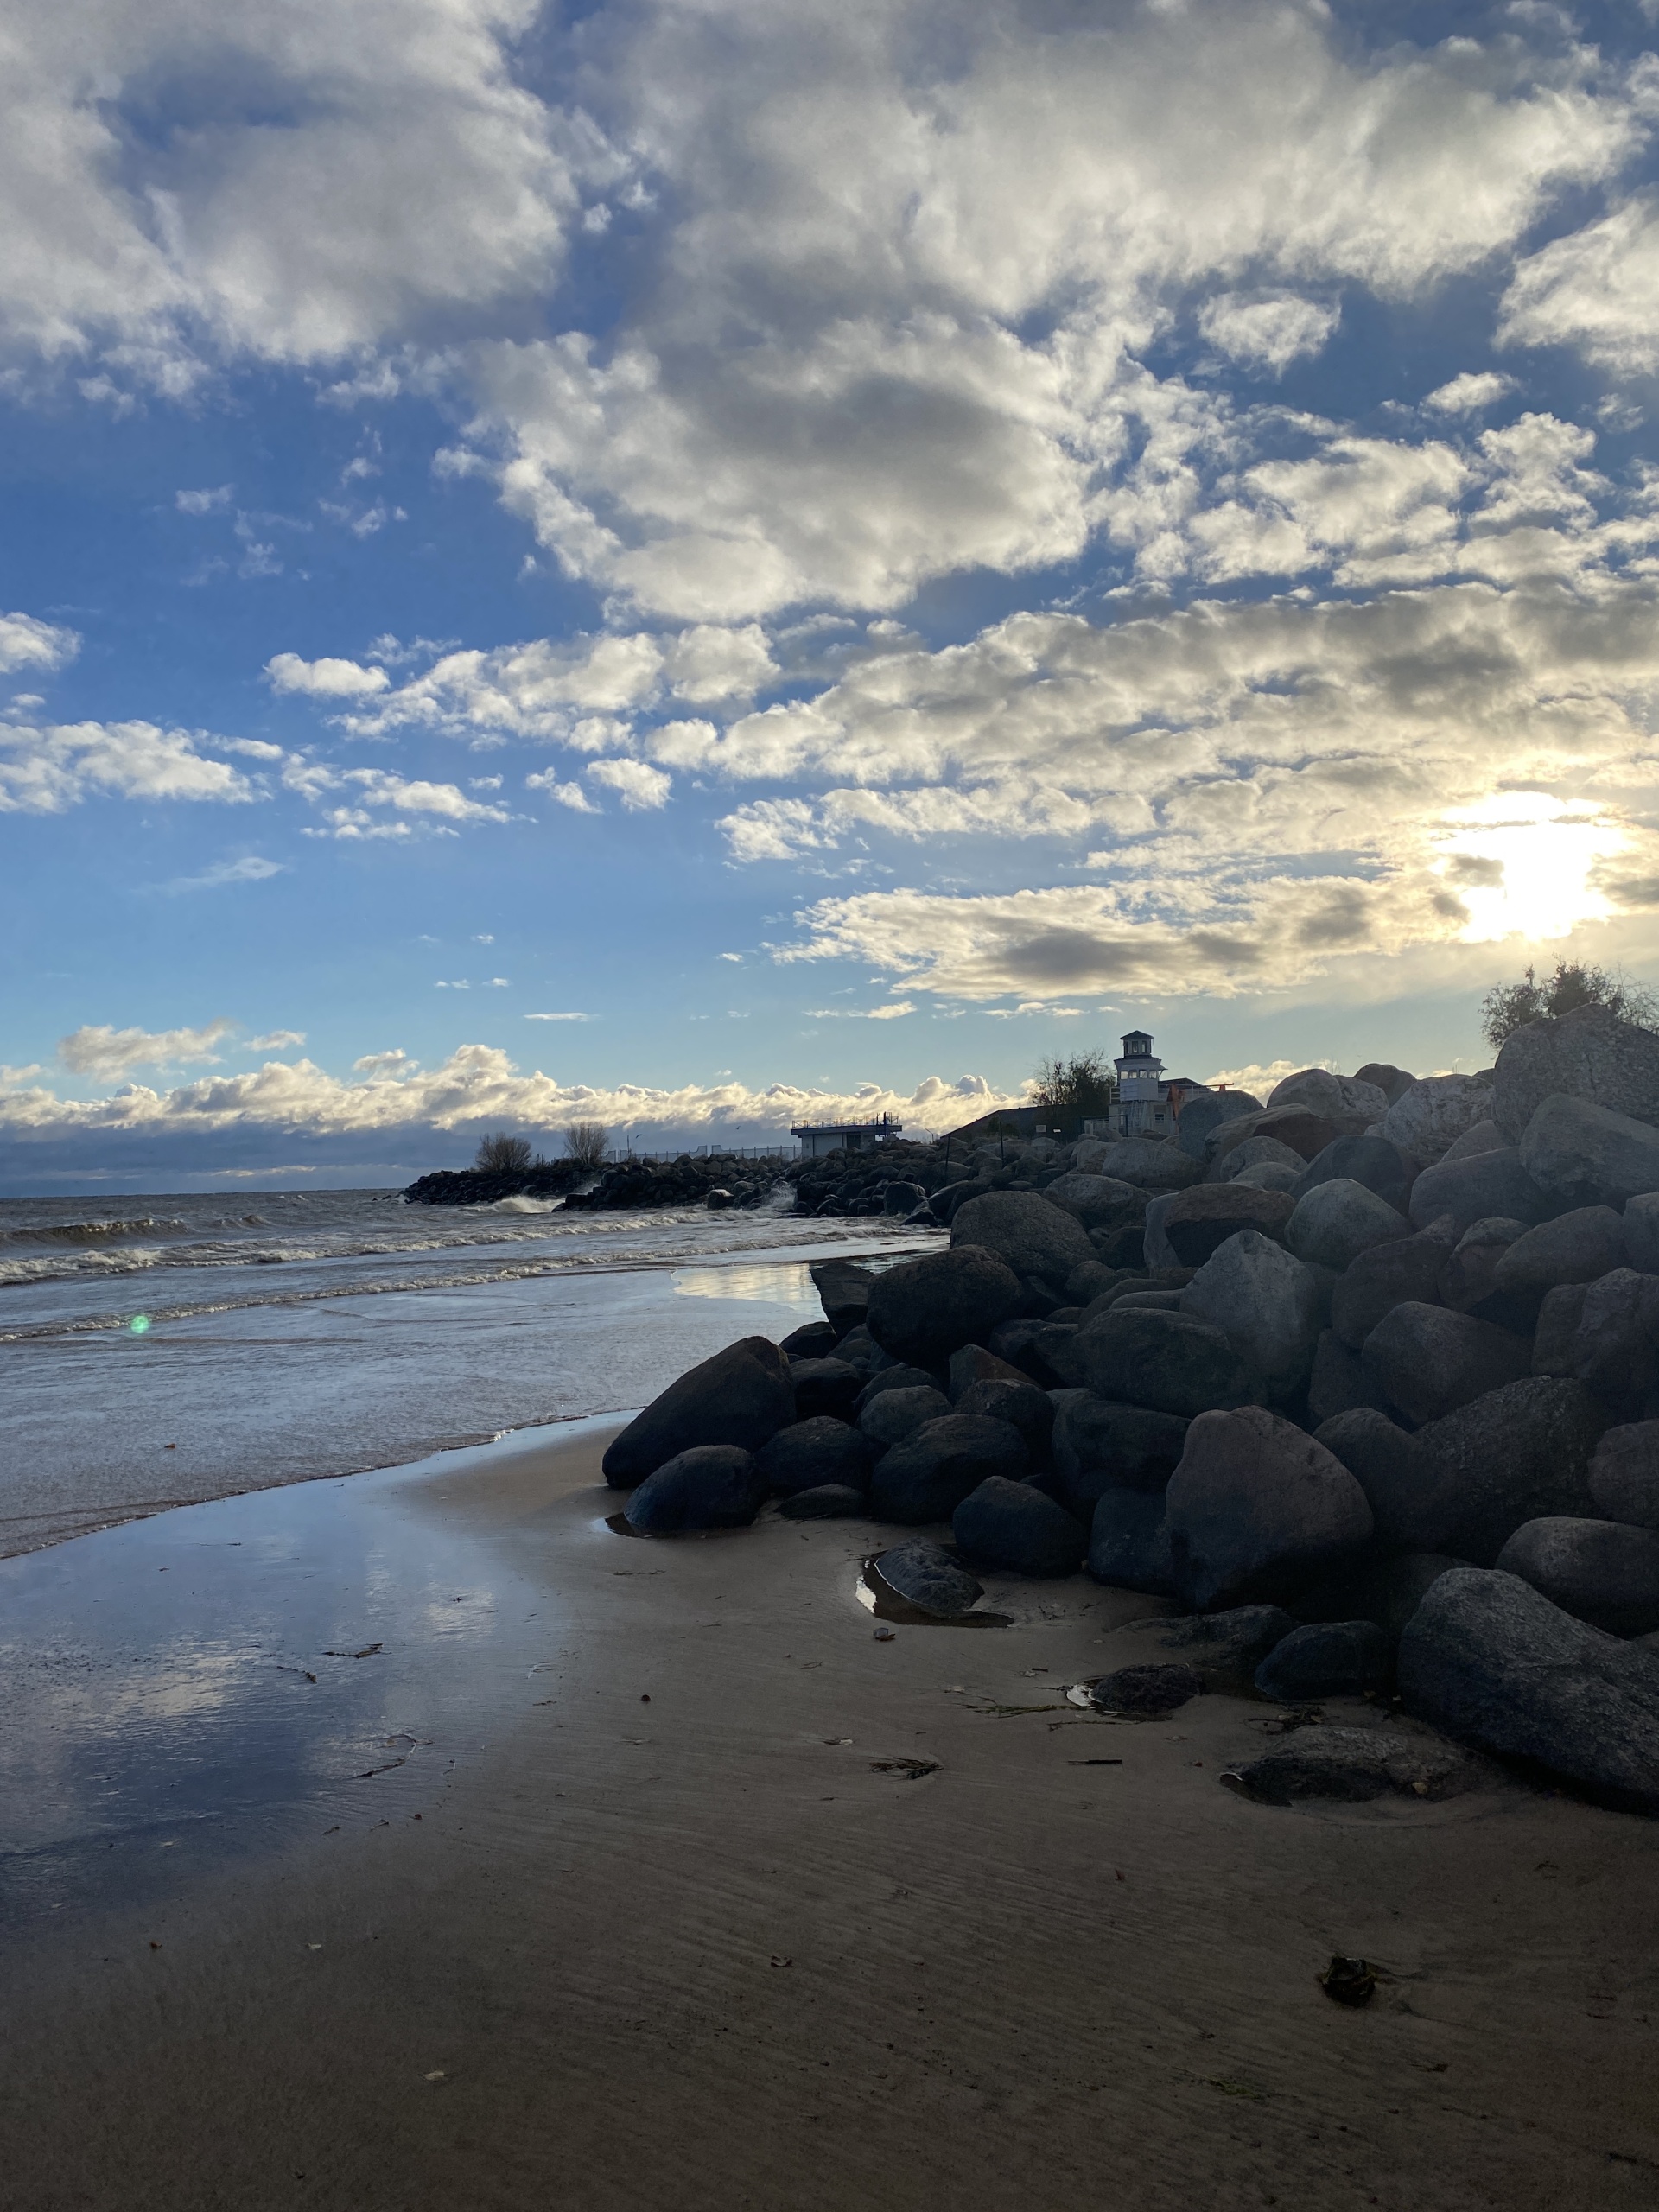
(1074, 1087)
(501, 1154)
(584, 1142)
(1509, 1006)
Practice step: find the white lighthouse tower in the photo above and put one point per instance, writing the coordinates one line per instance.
(1142, 1096)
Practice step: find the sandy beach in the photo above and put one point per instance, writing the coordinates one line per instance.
(672, 1929)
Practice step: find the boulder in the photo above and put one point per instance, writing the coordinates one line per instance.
(1519, 1451)
(709, 1486)
(1429, 1117)
(1156, 1251)
(1591, 1054)
(809, 1453)
(1426, 1361)
(923, 1309)
(1406, 1271)
(1351, 1765)
(1641, 1233)
(1097, 1201)
(896, 1378)
(1102, 1444)
(1307, 1134)
(1490, 1184)
(973, 1364)
(1020, 1345)
(1581, 1154)
(1382, 1168)
(1257, 1509)
(927, 1476)
(1150, 1163)
(1624, 1474)
(830, 1501)
(1168, 1361)
(901, 1198)
(825, 1385)
(741, 1396)
(1599, 1571)
(1009, 1525)
(1325, 1659)
(1204, 1111)
(1148, 1689)
(1615, 1346)
(1490, 1660)
(1261, 1152)
(1128, 1542)
(843, 1289)
(1331, 1094)
(1469, 1276)
(1270, 1306)
(1090, 1279)
(1484, 1136)
(1202, 1218)
(1026, 1232)
(1018, 1402)
(815, 1340)
(1391, 1081)
(1338, 1382)
(861, 1350)
(1575, 1247)
(892, 1415)
(1269, 1176)
(1225, 1648)
(1401, 1486)
(926, 1574)
(1336, 1220)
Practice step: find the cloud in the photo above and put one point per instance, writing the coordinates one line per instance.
(204, 503)
(107, 1054)
(1596, 289)
(570, 795)
(558, 1017)
(324, 679)
(251, 868)
(434, 807)
(1468, 393)
(276, 1040)
(27, 642)
(639, 786)
(1267, 333)
(893, 1012)
(43, 770)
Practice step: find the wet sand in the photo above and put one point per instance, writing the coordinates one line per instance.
(705, 1951)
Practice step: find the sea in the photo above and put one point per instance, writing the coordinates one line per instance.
(170, 1350)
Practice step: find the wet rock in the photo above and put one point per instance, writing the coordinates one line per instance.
(1491, 1185)
(1128, 1542)
(1257, 1509)
(1150, 1163)
(1579, 1153)
(1427, 1361)
(1330, 1095)
(1097, 1201)
(1026, 1232)
(829, 1502)
(1151, 1688)
(892, 1415)
(1225, 1648)
(1425, 1121)
(926, 1476)
(1623, 1477)
(709, 1486)
(896, 1378)
(1337, 1381)
(1326, 1659)
(815, 1340)
(1615, 1347)
(1379, 1168)
(1352, 1765)
(741, 1396)
(1485, 1136)
(1336, 1220)
(1469, 1278)
(1009, 1525)
(809, 1453)
(1641, 1233)
(926, 1574)
(1018, 1402)
(1305, 1134)
(1270, 1307)
(1575, 1247)
(1166, 1361)
(825, 1385)
(1599, 1571)
(1590, 1055)
(1491, 1660)
(1204, 1217)
(1206, 1111)
(901, 1198)
(1102, 1444)
(843, 1289)
(1519, 1451)
(921, 1310)
(1406, 1271)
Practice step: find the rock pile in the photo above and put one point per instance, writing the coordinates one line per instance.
(1365, 1376)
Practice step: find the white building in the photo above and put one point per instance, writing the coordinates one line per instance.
(1146, 1105)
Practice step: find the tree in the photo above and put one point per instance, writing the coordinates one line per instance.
(584, 1142)
(501, 1154)
(1077, 1087)
(1509, 1006)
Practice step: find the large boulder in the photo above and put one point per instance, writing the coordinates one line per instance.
(1097, 1201)
(1305, 1134)
(829, 1502)
(1579, 1153)
(1020, 1403)
(1206, 1110)
(811, 1453)
(1333, 1096)
(741, 1396)
(1469, 1278)
(1150, 1163)
(1325, 1659)
(922, 1309)
(1338, 1382)
(1401, 1486)
(1385, 1590)
(1383, 1168)
(1261, 1152)
(1490, 1185)
(1484, 1136)
(1257, 1509)
(1624, 1474)
(1405, 1272)
(1640, 1228)
(1128, 1542)
(825, 1385)
(1490, 1660)
(1010, 1525)
(1575, 1247)
(1519, 1451)
(897, 1378)
(1026, 1233)
(1204, 1217)
(1427, 1361)
(1270, 1306)
(1434, 1113)
(1591, 1054)
(926, 1477)
(1101, 1444)
(1336, 1220)
(889, 1416)
(843, 1289)
(1599, 1571)
(1391, 1081)
(926, 1574)
(1168, 1361)
(1615, 1346)
(1156, 1251)
(709, 1486)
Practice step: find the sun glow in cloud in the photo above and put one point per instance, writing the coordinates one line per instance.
(1521, 862)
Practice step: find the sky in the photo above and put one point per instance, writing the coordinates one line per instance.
(706, 563)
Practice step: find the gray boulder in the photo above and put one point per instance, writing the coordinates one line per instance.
(1010, 1525)
(1331, 1094)
(741, 1396)
(1402, 1487)
(1146, 1690)
(859, 1348)
(1225, 1648)
(1599, 1571)
(1641, 1232)
(1338, 1382)
(1026, 1232)
(1485, 1136)
(1624, 1474)
(1556, 1333)
(1591, 1054)
(1575, 1247)
(1382, 1169)
(1519, 1451)
(1262, 1151)
(1151, 1163)
(710, 1487)
(1157, 1251)
(1469, 1278)
(829, 1502)
(926, 1574)
(1257, 1509)
(892, 1415)
(1490, 1184)
(1429, 1117)
(1269, 1176)
(1168, 1361)
(901, 1198)
(1352, 1766)
(1020, 1403)
(1206, 1111)
(809, 1453)
(1325, 1659)
(1101, 1444)
(1338, 1219)
(973, 1364)
(926, 1477)
(1391, 1081)
(1426, 1361)
(1406, 1271)
(1270, 1306)
(825, 1385)
(1615, 1347)
(1201, 1219)
(1097, 1201)
(1128, 1542)
(897, 1378)
(1306, 1132)
(922, 1309)
(1490, 1660)
(843, 1289)
(1579, 1153)
(813, 1340)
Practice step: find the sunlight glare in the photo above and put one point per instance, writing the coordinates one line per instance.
(1520, 862)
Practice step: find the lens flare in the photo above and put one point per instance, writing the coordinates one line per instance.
(139, 1325)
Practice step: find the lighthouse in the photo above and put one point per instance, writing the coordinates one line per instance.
(1142, 1096)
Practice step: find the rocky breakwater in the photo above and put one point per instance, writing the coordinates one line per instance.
(1372, 1406)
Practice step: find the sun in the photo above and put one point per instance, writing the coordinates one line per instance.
(1522, 863)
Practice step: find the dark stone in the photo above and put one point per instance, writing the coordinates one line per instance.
(1483, 1136)
(1349, 1766)
(1009, 1524)
(1207, 1215)
(1308, 1134)
(1163, 1360)
(927, 1476)
(843, 1289)
(830, 1501)
(741, 1396)
(1027, 1233)
(901, 1198)
(1206, 1111)
(1090, 1278)
(1590, 1055)
(1575, 1247)
(1270, 1306)
(1337, 1381)
(1580, 1154)
(892, 1415)
(1021, 1404)
(1128, 1542)
(1491, 1660)
(1257, 1508)
(1016, 1344)
(1556, 1333)
(1390, 1468)
(1520, 1452)
(1226, 1648)
(926, 1574)
(1469, 1279)
(1427, 1361)
(814, 1340)
(1491, 1185)
(973, 1364)
(1326, 1659)
(1405, 1272)
(825, 1385)
(1154, 1687)
(1332, 1224)
(1641, 1233)
(923, 1309)
(1388, 1591)
(1097, 1201)
(1120, 1249)
(1149, 1163)
(809, 1453)
(1599, 1571)
(709, 1486)
(1615, 1348)
(1373, 1162)
(896, 1378)
(1391, 1081)
(1101, 1444)
(1624, 1474)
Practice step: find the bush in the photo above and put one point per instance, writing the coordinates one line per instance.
(501, 1154)
(584, 1142)
(1509, 1006)
(1074, 1087)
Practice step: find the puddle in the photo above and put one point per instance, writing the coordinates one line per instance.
(878, 1594)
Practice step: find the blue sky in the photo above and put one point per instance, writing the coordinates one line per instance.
(683, 564)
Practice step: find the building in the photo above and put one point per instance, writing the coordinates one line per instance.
(1146, 1106)
(817, 1138)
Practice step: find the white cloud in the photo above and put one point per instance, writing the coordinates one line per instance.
(896, 1012)
(251, 868)
(558, 1017)
(27, 642)
(107, 1053)
(1468, 393)
(1268, 334)
(324, 679)
(204, 503)
(640, 787)
(570, 795)
(44, 771)
(434, 806)
(277, 1040)
(1597, 289)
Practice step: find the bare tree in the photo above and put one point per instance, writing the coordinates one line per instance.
(501, 1154)
(1509, 1006)
(1079, 1086)
(584, 1142)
